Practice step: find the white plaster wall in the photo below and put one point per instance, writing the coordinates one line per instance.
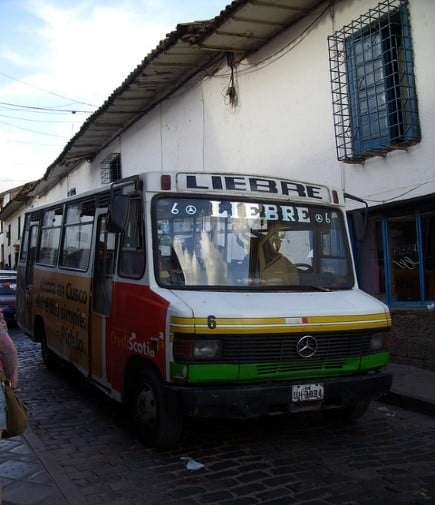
(282, 124)
(168, 138)
(58, 192)
(82, 178)
(141, 145)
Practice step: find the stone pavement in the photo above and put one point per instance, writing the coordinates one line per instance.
(29, 476)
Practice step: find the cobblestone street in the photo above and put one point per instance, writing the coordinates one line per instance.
(387, 458)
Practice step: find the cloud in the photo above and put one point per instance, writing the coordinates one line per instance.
(60, 53)
(91, 49)
(13, 56)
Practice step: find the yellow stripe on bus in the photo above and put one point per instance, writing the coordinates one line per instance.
(280, 324)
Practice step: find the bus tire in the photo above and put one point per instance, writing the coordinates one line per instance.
(347, 414)
(48, 357)
(156, 422)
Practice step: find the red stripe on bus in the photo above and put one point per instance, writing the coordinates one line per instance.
(136, 327)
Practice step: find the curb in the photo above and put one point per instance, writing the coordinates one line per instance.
(68, 490)
(409, 403)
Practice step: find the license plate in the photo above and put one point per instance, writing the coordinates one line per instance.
(307, 392)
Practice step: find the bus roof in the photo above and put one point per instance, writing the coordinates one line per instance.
(215, 183)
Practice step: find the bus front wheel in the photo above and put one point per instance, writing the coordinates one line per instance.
(157, 424)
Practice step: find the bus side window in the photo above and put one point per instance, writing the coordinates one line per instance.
(76, 242)
(50, 236)
(104, 268)
(31, 254)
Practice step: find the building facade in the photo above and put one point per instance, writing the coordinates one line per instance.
(336, 92)
(10, 231)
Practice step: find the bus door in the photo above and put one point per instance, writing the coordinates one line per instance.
(101, 294)
(26, 316)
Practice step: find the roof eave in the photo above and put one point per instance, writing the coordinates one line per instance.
(242, 28)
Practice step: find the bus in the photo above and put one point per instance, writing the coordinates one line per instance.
(204, 294)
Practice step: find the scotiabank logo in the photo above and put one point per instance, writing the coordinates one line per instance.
(142, 348)
(149, 348)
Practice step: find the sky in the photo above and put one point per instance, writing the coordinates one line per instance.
(60, 61)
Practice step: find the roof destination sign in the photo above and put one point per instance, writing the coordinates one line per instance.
(204, 182)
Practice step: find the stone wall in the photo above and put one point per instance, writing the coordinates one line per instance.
(413, 338)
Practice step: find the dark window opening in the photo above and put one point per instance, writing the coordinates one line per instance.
(397, 259)
(111, 168)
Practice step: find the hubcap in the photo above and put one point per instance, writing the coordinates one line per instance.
(146, 407)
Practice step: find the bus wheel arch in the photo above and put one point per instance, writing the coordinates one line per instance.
(48, 356)
(157, 420)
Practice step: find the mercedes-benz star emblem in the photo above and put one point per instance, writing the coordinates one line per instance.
(306, 346)
(191, 210)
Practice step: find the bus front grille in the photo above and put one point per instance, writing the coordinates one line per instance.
(283, 349)
(280, 352)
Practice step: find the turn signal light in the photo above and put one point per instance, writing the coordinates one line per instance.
(165, 182)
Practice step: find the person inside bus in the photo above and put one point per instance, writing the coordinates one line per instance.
(171, 272)
(275, 268)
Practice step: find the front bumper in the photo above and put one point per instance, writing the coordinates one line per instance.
(255, 400)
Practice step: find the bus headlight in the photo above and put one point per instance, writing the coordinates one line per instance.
(205, 349)
(188, 349)
(379, 341)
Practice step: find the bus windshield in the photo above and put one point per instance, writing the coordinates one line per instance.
(228, 244)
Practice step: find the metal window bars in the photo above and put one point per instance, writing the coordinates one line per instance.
(374, 99)
(111, 168)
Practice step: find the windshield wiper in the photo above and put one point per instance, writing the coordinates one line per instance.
(308, 287)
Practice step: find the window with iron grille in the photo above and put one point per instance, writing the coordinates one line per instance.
(373, 84)
(111, 168)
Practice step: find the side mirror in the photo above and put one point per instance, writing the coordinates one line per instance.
(359, 218)
(118, 213)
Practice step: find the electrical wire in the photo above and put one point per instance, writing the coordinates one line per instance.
(417, 186)
(51, 121)
(38, 144)
(45, 109)
(33, 131)
(45, 90)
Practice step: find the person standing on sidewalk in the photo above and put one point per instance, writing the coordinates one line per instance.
(8, 364)
(8, 356)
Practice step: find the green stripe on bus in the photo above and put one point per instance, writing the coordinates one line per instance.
(233, 373)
